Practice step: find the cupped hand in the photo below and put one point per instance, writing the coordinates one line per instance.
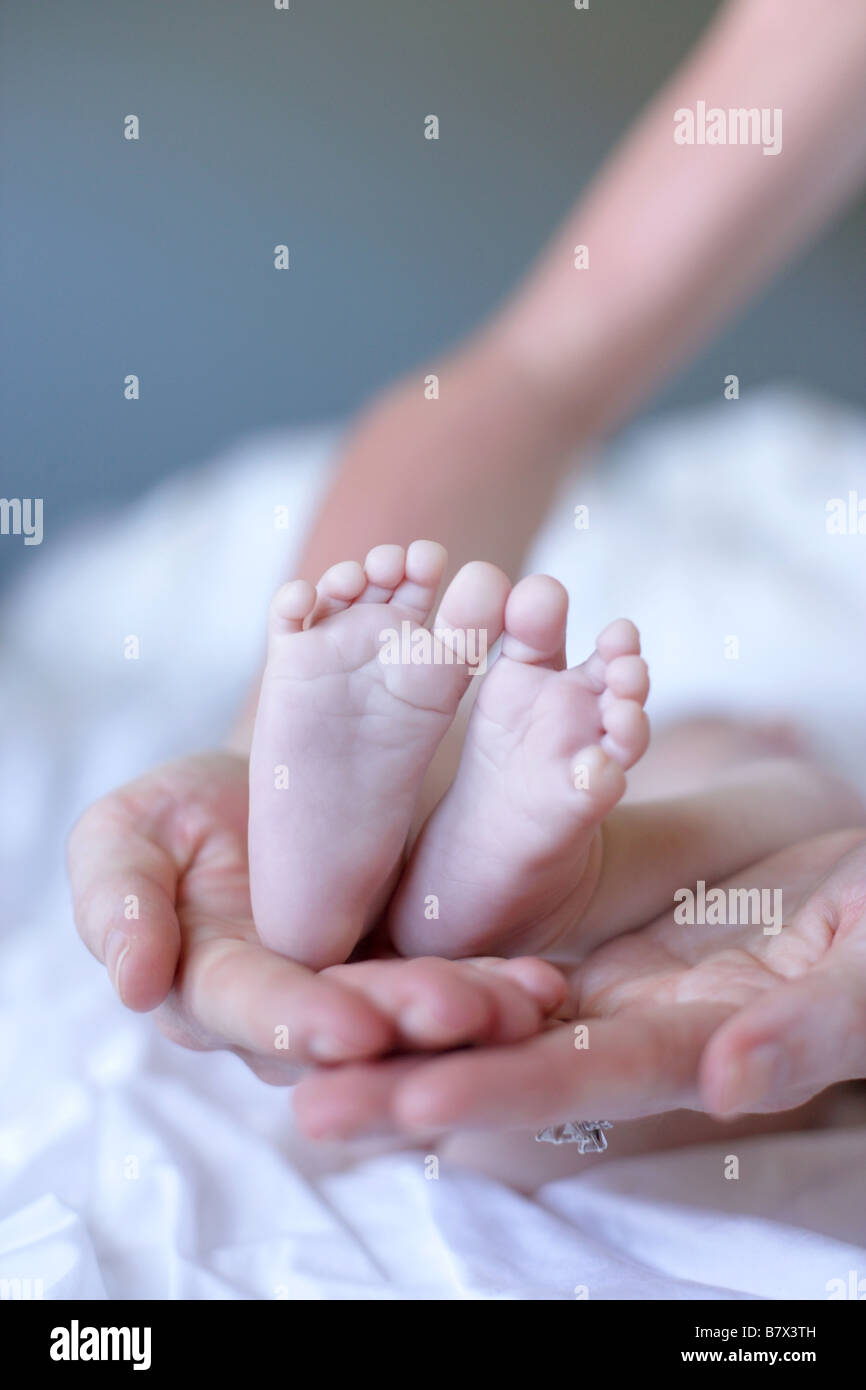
(160, 884)
(726, 1019)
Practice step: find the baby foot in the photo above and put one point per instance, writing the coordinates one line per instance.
(343, 736)
(511, 855)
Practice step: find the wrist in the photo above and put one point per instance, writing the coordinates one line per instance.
(552, 366)
(533, 403)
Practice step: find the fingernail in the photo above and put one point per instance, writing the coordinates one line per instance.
(328, 1049)
(545, 988)
(117, 948)
(417, 1021)
(753, 1079)
(417, 1121)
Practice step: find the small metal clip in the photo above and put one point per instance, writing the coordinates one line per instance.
(587, 1134)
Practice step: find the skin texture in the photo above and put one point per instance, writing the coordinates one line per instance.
(177, 839)
(512, 848)
(679, 1019)
(723, 1019)
(355, 735)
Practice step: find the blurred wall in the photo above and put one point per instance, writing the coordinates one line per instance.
(260, 127)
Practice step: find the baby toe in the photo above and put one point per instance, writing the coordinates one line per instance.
(385, 567)
(474, 604)
(619, 638)
(535, 617)
(626, 733)
(599, 780)
(338, 588)
(628, 678)
(424, 568)
(290, 606)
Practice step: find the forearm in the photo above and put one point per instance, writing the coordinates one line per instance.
(470, 468)
(679, 235)
(652, 849)
(458, 469)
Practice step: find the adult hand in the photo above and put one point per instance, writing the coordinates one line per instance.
(718, 1018)
(160, 883)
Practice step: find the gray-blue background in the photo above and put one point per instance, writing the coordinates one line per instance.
(259, 127)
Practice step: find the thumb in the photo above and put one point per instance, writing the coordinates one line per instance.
(793, 1041)
(111, 865)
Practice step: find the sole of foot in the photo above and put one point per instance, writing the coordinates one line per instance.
(509, 858)
(355, 699)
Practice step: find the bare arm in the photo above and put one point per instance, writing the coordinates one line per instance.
(678, 237)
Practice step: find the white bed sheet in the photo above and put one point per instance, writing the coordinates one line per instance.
(129, 1168)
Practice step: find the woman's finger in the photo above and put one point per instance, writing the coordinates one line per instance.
(235, 993)
(355, 1101)
(792, 1042)
(123, 889)
(618, 1068)
(435, 1003)
(547, 984)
